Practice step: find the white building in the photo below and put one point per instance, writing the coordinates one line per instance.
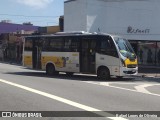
(136, 20)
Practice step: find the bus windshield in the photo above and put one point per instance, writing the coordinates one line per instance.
(125, 48)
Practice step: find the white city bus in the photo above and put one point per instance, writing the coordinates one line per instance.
(79, 52)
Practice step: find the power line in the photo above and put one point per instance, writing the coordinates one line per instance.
(28, 16)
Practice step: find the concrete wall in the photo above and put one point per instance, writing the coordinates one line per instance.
(75, 18)
(132, 19)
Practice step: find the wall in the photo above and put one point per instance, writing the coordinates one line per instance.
(49, 29)
(132, 19)
(75, 18)
(53, 29)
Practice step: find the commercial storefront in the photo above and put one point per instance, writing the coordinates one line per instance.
(138, 21)
(11, 44)
(148, 52)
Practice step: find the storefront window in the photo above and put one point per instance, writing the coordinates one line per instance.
(147, 53)
(158, 53)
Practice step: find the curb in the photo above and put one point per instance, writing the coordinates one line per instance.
(149, 76)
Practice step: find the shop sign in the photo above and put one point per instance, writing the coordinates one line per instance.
(137, 31)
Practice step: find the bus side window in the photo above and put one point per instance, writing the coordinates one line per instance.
(67, 44)
(56, 44)
(113, 50)
(75, 45)
(46, 44)
(71, 44)
(107, 47)
(104, 45)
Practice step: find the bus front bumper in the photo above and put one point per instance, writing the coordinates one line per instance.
(129, 71)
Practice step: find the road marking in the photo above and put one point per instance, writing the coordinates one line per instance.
(63, 100)
(141, 88)
(111, 86)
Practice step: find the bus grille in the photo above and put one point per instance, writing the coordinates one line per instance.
(132, 60)
(131, 66)
(129, 72)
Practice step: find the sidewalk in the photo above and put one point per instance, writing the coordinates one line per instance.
(149, 71)
(12, 63)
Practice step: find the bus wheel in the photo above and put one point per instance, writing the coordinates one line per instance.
(119, 77)
(69, 73)
(50, 69)
(103, 73)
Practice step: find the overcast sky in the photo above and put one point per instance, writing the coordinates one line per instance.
(38, 12)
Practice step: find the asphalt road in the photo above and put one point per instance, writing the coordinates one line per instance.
(28, 90)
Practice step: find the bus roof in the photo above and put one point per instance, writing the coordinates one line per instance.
(76, 33)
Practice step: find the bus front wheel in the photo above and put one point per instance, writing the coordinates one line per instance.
(103, 73)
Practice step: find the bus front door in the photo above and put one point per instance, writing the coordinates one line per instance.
(87, 59)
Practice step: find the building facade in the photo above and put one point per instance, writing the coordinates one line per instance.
(135, 20)
(48, 29)
(11, 40)
(17, 28)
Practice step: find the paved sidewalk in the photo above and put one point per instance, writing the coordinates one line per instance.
(149, 71)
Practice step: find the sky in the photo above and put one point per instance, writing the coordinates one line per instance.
(38, 12)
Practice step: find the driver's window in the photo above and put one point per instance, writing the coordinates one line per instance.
(107, 46)
(103, 45)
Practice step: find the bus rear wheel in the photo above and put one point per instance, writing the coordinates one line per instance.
(50, 70)
(119, 77)
(103, 73)
(69, 73)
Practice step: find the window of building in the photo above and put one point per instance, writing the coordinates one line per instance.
(158, 53)
(28, 44)
(146, 52)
